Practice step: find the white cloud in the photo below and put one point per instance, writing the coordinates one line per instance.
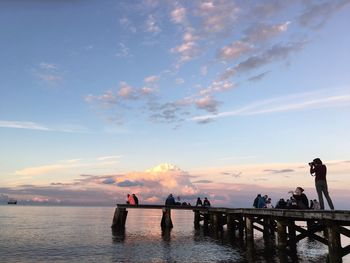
(207, 103)
(178, 15)
(126, 91)
(301, 101)
(151, 79)
(234, 50)
(24, 125)
(151, 25)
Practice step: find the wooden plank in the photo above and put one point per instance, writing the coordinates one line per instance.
(346, 250)
(308, 233)
(344, 231)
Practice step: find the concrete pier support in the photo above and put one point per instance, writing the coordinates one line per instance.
(119, 218)
(166, 222)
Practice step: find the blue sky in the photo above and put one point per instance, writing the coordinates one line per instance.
(230, 98)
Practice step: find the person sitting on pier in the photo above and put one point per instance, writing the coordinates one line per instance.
(262, 201)
(302, 202)
(316, 205)
(170, 200)
(199, 202)
(136, 199)
(268, 203)
(206, 202)
(130, 200)
(281, 204)
(256, 200)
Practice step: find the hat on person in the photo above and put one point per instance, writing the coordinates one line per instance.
(301, 189)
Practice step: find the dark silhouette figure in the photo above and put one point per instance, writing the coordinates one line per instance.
(170, 200)
(319, 170)
(302, 202)
(199, 202)
(256, 200)
(136, 199)
(206, 202)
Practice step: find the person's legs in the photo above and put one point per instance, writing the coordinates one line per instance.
(318, 185)
(326, 194)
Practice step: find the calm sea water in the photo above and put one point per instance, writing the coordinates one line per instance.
(83, 234)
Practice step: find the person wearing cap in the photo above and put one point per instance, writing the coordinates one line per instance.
(302, 202)
(319, 170)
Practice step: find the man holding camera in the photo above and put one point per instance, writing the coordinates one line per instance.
(319, 170)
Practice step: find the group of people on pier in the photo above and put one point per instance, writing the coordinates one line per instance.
(298, 199)
(205, 203)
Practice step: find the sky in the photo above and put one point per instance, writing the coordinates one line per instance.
(224, 99)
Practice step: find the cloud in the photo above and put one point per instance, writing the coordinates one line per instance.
(274, 171)
(151, 25)
(207, 103)
(179, 81)
(301, 101)
(217, 86)
(317, 14)
(258, 77)
(123, 51)
(178, 15)
(233, 174)
(234, 50)
(189, 48)
(151, 79)
(128, 183)
(261, 32)
(49, 73)
(127, 24)
(28, 125)
(217, 16)
(202, 182)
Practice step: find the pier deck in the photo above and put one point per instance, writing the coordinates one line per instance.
(323, 226)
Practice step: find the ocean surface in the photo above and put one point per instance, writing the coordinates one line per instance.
(83, 234)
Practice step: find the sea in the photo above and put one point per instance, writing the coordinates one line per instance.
(83, 234)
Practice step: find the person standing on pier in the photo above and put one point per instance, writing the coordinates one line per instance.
(319, 170)
(199, 202)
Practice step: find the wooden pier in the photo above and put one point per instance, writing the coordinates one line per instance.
(323, 226)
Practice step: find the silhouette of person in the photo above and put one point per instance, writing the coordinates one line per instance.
(199, 202)
(319, 170)
(170, 200)
(206, 202)
(136, 199)
(131, 200)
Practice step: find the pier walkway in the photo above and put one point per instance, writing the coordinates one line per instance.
(324, 226)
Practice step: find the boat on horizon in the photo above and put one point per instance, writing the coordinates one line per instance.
(12, 201)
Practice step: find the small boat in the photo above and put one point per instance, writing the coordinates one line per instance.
(12, 202)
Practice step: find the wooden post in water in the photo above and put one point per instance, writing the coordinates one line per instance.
(119, 218)
(216, 221)
(249, 228)
(240, 226)
(230, 223)
(292, 235)
(197, 219)
(282, 234)
(267, 227)
(334, 243)
(166, 222)
(206, 219)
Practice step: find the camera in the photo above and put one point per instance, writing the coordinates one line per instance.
(312, 164)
